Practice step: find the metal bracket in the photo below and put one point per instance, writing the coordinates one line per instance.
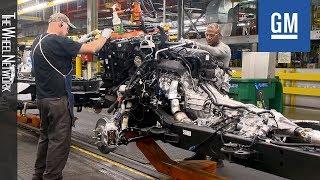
(189, 169)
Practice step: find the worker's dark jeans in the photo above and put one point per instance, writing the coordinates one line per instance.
(55, 138)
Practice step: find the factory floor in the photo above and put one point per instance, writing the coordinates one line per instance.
(83, 166)
(301, 113)
(78, 167)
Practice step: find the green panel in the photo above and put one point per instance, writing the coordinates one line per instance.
(261, 92)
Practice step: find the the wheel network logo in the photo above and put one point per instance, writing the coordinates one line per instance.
(284, 25)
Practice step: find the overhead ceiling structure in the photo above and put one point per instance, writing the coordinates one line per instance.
(34, 14)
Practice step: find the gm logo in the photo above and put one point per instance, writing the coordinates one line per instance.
(284, 26)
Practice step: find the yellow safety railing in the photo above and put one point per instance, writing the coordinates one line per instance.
(296, 76)
(236, 74)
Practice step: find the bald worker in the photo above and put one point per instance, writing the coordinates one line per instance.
(214, 45)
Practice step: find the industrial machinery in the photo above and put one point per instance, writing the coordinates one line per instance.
(179, 94)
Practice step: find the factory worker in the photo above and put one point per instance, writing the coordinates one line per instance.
(214, 46)
(52, 54)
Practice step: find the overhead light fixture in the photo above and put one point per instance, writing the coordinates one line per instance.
(32, 8)
(62, 1)
(41, 6)
(22, 1)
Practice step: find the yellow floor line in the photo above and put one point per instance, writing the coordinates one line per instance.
(96, 156)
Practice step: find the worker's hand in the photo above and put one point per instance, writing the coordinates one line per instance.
(106, 33)
(85, 38)
(191, 43)
(188, 41)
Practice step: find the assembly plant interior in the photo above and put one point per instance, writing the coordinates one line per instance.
(153, 104)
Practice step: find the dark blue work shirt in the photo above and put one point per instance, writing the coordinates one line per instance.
(59, 51)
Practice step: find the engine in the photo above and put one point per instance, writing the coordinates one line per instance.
(201, 98)
(188, 85)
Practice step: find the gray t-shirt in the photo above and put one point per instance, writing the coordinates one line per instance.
(222, 52)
